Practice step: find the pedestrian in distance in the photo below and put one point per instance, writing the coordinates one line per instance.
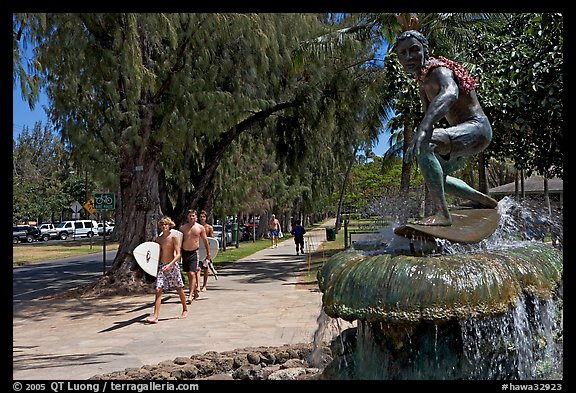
(274, 228)
(204, 264)
(193, 233)
(168, 275)
(298, 231)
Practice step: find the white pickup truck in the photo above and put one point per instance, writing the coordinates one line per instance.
(45, 230)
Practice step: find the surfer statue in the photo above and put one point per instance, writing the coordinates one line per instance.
(446, 91)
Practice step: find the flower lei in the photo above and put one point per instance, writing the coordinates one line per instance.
(465, 80)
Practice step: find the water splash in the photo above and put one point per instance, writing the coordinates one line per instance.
(519, 222)
(524, 343)
(328, 329)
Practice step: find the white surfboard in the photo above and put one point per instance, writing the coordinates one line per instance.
(214, 248)
(147, 255)
(179, 234)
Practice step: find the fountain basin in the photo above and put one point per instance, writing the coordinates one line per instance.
(479, 315)
(405, 288)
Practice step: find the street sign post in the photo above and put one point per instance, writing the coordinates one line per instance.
(76, 207)
(104, 201)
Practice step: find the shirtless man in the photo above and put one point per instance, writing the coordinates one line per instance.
(209, 233)
(168, 275)
(446, 91)
(274, 227)
(193, 232)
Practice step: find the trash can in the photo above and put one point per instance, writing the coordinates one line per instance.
(330, 234)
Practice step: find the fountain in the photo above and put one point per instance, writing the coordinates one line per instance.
(487, 311)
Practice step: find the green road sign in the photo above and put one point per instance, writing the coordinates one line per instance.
(104, 201)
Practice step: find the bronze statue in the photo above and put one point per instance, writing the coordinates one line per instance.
(446, 91)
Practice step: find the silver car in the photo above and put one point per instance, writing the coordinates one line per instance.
(218, 234)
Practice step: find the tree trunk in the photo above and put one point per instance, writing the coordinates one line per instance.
(139, 182)
(406, 166)
(522, 190)
(343, 191)
(547, 196)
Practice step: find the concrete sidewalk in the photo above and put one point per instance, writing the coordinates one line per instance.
(255, 302)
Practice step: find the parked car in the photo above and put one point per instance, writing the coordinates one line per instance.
(45, 230)
(245, 233)
(80, 228)
(109, 228)
(250, 224)
(218, 234)
(27, 233)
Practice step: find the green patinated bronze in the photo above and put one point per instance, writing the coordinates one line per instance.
(406, 288)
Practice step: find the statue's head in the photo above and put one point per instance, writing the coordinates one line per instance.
(412, 49)
(417, 35)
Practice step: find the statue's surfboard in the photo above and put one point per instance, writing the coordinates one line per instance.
(468, 226)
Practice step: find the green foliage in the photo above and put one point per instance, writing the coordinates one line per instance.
(368, 183)
(521, 70)
(39, 170)
(202, 93)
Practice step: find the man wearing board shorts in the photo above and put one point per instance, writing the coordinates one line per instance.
(168, 275)
(193, 232)
(274, 227)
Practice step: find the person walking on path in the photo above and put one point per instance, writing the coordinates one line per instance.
(209, 233)
(193, 232)
(168, 275)
(274, 227)
(298, 231)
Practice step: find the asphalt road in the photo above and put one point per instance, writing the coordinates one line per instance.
(44, 279)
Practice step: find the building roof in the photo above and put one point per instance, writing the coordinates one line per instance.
(532, 185)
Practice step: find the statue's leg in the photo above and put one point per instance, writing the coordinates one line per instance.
(463, 140)
(460, 189)
(434, 178)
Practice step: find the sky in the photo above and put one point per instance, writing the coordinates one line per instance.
(22, 116)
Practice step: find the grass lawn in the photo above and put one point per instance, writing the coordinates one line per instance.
(24, 254)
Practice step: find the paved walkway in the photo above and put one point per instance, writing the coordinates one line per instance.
(257, 301)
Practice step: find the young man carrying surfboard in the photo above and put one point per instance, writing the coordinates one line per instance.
(193, 232)
(209, 233)
(168, 275)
